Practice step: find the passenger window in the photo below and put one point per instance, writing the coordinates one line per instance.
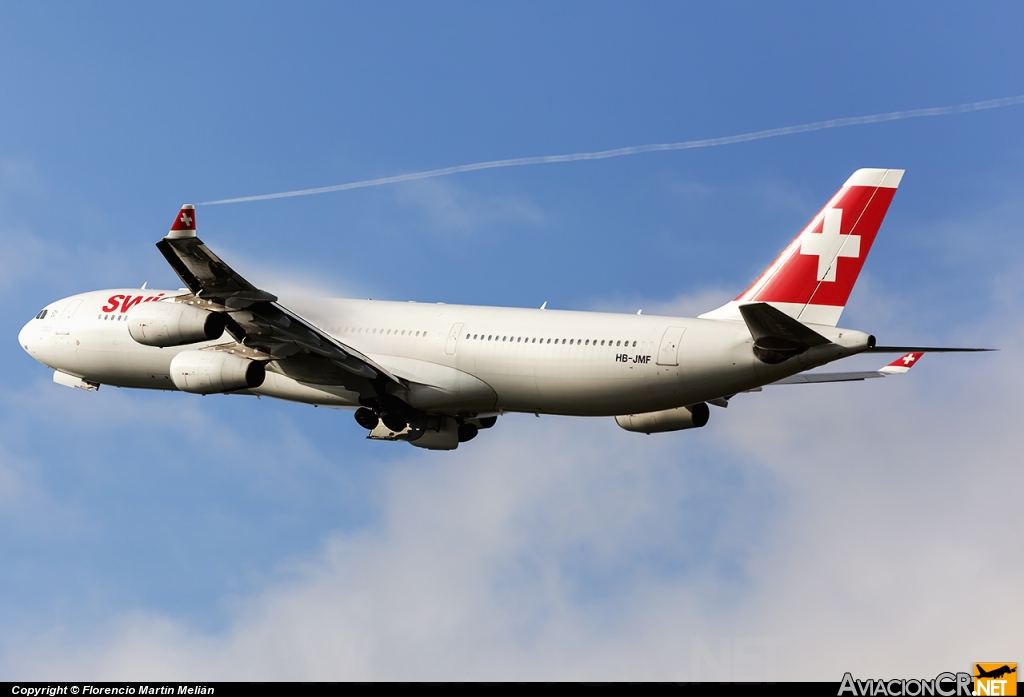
(634, 344)
(519, 340)
(467, 336)
(504, 338)
(488, 337)
(618, 343)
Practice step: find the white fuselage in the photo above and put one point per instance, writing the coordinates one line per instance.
(458, 359)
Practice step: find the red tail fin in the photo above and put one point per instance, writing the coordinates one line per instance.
(813, 277)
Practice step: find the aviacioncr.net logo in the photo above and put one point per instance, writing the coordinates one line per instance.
(942, 685)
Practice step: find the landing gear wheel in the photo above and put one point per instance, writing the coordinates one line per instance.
(467, 432)
(393, 421)
(366, 418)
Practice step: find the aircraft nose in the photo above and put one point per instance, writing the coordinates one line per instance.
(25, 338)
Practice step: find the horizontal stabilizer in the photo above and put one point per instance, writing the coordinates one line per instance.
(777, 336)
(897, 367)
(811, 378)
(923, 349)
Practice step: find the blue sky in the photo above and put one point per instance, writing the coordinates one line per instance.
(173, 536)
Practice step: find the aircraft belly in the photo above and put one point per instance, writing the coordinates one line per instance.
(511, 376)
(438, 387)
(568, 387)
(283, 387)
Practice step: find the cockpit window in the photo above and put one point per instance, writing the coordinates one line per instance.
(41, 315)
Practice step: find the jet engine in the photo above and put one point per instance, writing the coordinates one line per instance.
(208, 372)
(693, 416)
(166, 324)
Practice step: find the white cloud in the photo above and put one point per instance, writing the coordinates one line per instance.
(805, 532)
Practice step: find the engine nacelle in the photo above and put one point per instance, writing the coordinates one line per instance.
(694, 416)
(208, 372)
(166, 324)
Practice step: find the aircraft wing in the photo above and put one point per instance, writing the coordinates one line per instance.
(260, 322)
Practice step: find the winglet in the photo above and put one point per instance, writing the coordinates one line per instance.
(902, 364)
(185, 224)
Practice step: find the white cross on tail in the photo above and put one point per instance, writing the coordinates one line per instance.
(828, 245)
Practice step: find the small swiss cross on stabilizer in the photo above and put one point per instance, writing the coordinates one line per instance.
(903, 363)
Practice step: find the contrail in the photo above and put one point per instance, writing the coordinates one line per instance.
(638, 149)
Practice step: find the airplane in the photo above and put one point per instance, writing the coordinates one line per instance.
(995, 673)
(434, 375)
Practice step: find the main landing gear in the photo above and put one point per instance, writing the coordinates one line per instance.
(436, 432)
